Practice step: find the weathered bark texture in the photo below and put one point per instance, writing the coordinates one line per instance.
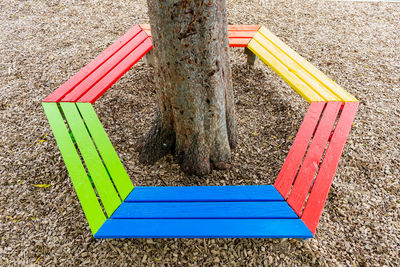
(195, 118)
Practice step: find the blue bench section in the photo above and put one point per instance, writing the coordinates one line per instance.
(204, 228)
(204, 193)
(204, 212)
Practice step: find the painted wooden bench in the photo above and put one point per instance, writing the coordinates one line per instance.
(114, 208)
(98, 76)
(301, 75)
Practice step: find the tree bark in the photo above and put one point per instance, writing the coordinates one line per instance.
(195, 118)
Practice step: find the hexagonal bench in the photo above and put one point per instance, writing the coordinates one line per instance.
(114, 208)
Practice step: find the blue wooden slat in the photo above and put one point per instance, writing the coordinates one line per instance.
(204, 210)
(204, 193)
(203, 228)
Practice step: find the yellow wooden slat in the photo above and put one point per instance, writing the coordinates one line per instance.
(299, 86)
(295, 68)
(331, 85)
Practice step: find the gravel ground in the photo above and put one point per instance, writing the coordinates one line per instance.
(44, 42)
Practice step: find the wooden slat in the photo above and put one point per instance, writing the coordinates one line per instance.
(205, 210)
(239, 42)
(110, 158)
(293, 160)
(309, 167)
(332, 86)
(241, 34)
(253, 28)
(203, 228)
(97, 171)
(64, 89)
(148, 32)
(145, 26)
(204, 193)
(298, 85)
(80, 180)
(102, 86)
(104, 69)
(319, 192)
(295, 68)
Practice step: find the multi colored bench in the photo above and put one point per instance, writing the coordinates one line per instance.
(114, 208)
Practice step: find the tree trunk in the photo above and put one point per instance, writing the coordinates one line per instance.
(195, 117)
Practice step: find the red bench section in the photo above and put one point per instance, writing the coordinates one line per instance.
(100, 74)
(308, 171)
(114, 208)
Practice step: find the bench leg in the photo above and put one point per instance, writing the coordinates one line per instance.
(251, 57)
(149, 58)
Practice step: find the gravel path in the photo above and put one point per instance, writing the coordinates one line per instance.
(44, 42)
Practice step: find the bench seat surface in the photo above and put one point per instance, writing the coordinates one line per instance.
(301, 75)
(204, 228)
(202, 212)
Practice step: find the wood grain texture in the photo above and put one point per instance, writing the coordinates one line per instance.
(203, 228)
(75, 80)
(288, 172)
(110, 158)
(79, 178)
(204, 193)
(104, 69)
(98, 173)
(323, 181)
(205, 210)
(313, 158)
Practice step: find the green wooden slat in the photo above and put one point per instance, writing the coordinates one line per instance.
(83, 188)
(110, 158)
(108, 195)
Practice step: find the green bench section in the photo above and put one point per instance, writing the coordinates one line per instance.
(95, 169)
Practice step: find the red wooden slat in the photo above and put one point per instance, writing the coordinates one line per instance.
(293, 160)
(103, 85)
(98, 74)
(239, 42)
(304, 179)
(253, 28)
(240, 34)
(145, 26)
(64, 89)
(319, 192)
(148, 32)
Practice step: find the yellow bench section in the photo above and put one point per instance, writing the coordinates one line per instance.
(301, 75)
